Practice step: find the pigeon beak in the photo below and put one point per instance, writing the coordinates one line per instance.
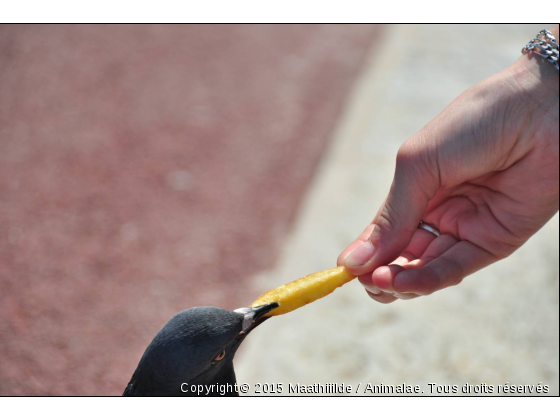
(260, 311)
(255, 316)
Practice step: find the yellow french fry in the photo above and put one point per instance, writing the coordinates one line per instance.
(308, 289)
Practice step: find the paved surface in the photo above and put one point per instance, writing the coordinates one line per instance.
(500, 325)
(144, 170)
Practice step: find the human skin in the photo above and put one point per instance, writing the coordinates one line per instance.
(484, 172)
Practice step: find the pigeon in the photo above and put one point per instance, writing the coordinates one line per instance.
(192, 355)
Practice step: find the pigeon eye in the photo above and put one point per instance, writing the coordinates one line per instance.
(220, 356)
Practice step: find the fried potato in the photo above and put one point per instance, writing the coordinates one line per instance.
(300, 292)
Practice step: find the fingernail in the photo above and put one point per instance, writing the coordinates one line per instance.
(372, 289)
(360, 255)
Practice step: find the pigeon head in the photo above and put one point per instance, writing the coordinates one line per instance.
(196, 347)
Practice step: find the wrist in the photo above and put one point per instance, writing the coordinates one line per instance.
(535, 79)
(535, 75)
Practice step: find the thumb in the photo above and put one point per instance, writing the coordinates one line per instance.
(414, 184)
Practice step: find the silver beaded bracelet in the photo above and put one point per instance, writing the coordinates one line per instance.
(544, 45)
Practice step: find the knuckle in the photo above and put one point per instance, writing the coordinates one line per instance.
(435, 280)
(417, 158)
(431, 280)
(455, 268)
(405, 155)
(387, 223)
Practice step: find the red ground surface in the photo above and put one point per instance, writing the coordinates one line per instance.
(144, 170)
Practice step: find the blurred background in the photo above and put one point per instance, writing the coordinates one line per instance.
(147, 169)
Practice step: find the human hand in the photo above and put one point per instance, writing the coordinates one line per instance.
(484, 172)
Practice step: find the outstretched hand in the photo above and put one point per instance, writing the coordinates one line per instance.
(484, 173)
